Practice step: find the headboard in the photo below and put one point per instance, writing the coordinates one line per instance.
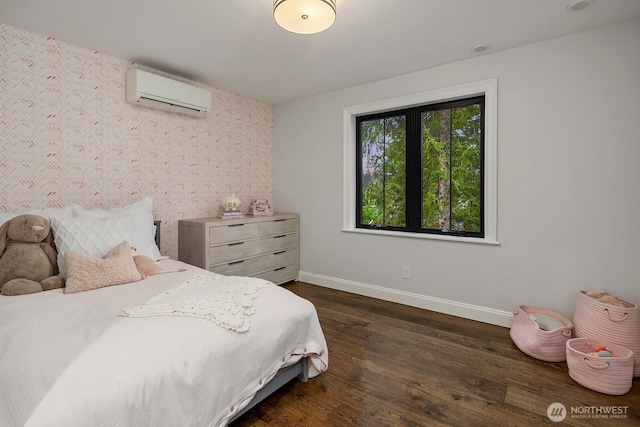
(157, 224)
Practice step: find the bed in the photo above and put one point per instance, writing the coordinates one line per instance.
(78, 359)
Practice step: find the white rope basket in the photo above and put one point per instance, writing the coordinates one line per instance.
(533, 341)
(614, 324)
(609, 375)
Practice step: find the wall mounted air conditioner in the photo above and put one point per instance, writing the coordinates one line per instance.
(151, 90)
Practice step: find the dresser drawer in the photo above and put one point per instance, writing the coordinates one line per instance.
(236, 251)
(280, 275)
(279, 226)
(233, 232)
(250, 266)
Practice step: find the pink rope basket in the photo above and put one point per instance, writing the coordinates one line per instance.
(609, 375)
(610, 323)
(533, 341)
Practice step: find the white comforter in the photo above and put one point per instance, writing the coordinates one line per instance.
(72, 360)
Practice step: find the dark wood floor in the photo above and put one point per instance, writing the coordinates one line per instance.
(393, 365)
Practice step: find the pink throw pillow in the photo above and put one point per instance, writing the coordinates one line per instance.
(85, 273)
(146, 266)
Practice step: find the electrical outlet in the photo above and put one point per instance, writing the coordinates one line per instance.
(406, 272)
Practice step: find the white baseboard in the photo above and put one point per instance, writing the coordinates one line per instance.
(467, 311)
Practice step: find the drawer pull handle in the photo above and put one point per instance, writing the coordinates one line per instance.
(236, 262)
(281, 268)
(235, 225)
(277, 237)
(278, 253)
(237, 243)
(279, 220)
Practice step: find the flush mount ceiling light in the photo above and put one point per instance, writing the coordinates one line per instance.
(580, 5)
(304, 16)
(482, 47)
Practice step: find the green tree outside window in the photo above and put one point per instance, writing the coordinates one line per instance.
(448, 140)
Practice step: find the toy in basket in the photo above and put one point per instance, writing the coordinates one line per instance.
(608, 318)
(541, 333)
(608, 371)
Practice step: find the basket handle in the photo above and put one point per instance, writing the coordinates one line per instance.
(591, 365)
(566, 333)
(624, 317)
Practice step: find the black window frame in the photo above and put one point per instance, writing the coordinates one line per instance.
(413, 165)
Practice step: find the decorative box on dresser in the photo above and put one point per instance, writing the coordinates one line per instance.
(260, 246)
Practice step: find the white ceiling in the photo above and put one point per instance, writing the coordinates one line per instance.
(236, 45)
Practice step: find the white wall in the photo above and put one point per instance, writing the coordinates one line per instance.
(568, 176)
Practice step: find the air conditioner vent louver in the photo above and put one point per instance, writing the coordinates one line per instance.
(151, 90)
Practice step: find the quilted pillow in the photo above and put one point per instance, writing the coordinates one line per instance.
(88, 236)
(141, 229)
(86, 272)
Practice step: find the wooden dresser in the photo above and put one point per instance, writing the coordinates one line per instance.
(263, 246)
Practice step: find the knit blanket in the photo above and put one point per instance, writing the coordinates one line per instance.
(225, 300)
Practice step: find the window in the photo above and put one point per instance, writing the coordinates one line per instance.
(420, 169)
(424, 165)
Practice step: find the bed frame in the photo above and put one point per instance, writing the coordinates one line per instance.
(298, 370)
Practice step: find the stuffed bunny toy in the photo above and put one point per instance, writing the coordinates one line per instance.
(28, 260)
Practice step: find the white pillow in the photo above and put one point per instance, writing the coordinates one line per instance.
(87, 236)
(48, 213)
(141, 229)
(4, 217)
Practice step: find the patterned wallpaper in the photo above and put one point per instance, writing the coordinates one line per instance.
(68, 136)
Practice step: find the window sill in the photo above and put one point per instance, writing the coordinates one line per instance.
(473, 240)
